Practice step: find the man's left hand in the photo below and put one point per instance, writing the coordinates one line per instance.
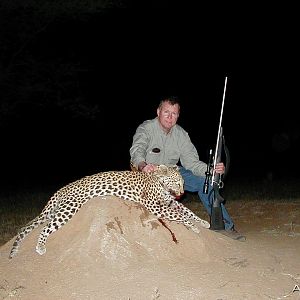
(220, 168)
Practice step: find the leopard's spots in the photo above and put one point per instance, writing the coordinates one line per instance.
(156, 191)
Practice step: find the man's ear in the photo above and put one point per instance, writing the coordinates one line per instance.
(157, 111)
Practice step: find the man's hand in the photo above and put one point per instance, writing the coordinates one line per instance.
(220, 168)
(149, 168)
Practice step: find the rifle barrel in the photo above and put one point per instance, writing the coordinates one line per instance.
(219, 133)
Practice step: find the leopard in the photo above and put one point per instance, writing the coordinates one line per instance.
(159, 192)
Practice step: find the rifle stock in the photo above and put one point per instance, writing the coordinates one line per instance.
(216, 218)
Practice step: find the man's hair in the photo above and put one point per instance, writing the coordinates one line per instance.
(172, 100)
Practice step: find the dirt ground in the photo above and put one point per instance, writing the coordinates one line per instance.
(116, 250)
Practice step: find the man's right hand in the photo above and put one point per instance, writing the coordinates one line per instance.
(149, 168)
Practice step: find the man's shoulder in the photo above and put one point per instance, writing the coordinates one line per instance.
(180, 129)
(148, 123)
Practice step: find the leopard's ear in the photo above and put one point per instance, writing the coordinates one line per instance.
(162, 169)
(175, 167)
(165, 169)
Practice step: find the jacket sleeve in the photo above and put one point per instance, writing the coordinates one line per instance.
(189, 157)
(139, 146)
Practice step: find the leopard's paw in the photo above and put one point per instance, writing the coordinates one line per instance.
(204, 223)
(40, 249)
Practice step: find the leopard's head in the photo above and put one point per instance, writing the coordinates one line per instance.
(170, 179)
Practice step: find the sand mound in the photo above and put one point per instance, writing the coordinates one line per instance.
(114, 249)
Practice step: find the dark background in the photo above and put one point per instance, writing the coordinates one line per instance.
(75, 85)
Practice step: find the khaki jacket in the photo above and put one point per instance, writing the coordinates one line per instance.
(152, 145)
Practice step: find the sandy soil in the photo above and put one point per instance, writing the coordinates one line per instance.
(117, 250)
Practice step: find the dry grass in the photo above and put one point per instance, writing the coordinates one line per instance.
(17, 209)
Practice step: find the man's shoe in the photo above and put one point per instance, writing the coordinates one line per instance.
(233, 234)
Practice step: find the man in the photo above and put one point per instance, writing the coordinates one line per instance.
(163, 141)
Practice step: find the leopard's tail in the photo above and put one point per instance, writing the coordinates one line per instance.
(24, 231)
(46, 215)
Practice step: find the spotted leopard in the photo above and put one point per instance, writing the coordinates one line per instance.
(156, 191)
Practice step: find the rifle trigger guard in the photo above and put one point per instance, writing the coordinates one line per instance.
(221, 184)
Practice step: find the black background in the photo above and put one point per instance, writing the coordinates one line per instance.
(130, 59)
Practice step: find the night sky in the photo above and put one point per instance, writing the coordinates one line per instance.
(84, 85)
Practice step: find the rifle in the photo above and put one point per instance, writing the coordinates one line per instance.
(215, 179)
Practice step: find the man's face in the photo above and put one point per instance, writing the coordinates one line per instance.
(168, 115)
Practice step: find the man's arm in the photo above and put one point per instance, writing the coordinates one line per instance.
(138, 149)
(189, 156)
